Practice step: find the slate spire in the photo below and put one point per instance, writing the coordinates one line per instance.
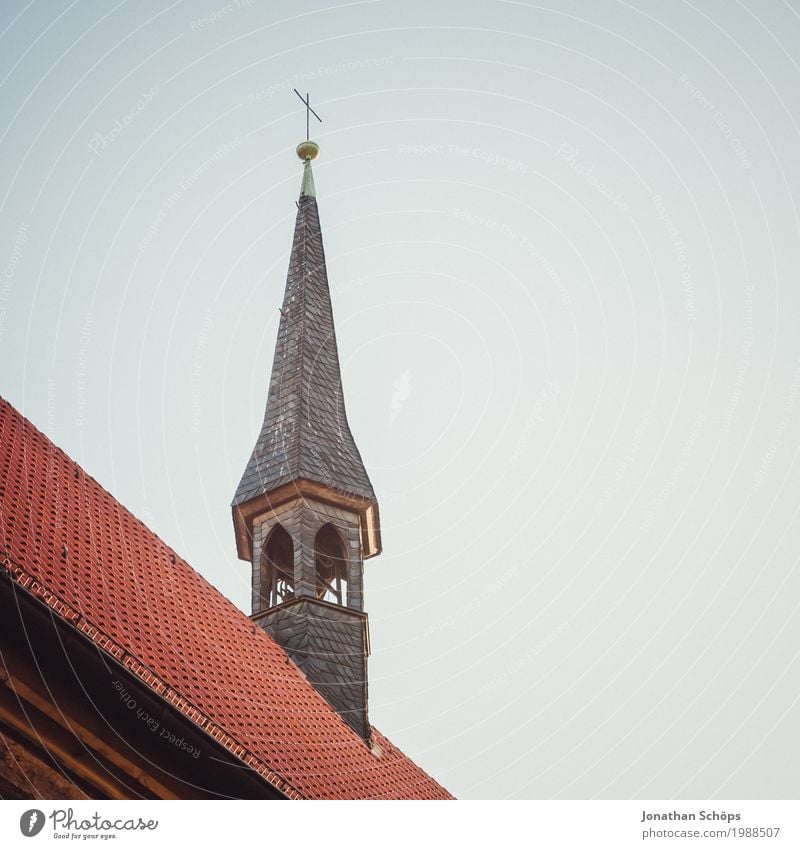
(305, 436)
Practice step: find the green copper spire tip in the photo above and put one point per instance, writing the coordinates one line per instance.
(307, 151)
(307, 188)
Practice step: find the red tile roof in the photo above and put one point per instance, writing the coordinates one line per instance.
(97, 566)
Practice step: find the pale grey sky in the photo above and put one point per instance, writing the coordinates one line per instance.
(562, 243)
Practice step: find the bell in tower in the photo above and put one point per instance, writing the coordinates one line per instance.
(305, 514)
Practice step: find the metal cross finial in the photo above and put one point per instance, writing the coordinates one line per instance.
(309, 111)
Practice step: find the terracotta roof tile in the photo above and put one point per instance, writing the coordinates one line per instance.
(98, 567)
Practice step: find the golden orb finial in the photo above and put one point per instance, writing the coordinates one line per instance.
(307, 150)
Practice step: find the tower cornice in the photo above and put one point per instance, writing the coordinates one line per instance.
(266, 502)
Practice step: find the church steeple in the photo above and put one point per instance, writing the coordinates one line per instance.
(305, 441)
(305, 513)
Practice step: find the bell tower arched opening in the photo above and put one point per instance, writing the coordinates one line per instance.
(330, 566)
(277, 568)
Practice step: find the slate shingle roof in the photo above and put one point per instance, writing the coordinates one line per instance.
(125, 589)
(305, 433)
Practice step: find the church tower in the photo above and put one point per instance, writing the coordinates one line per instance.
(305, 514)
